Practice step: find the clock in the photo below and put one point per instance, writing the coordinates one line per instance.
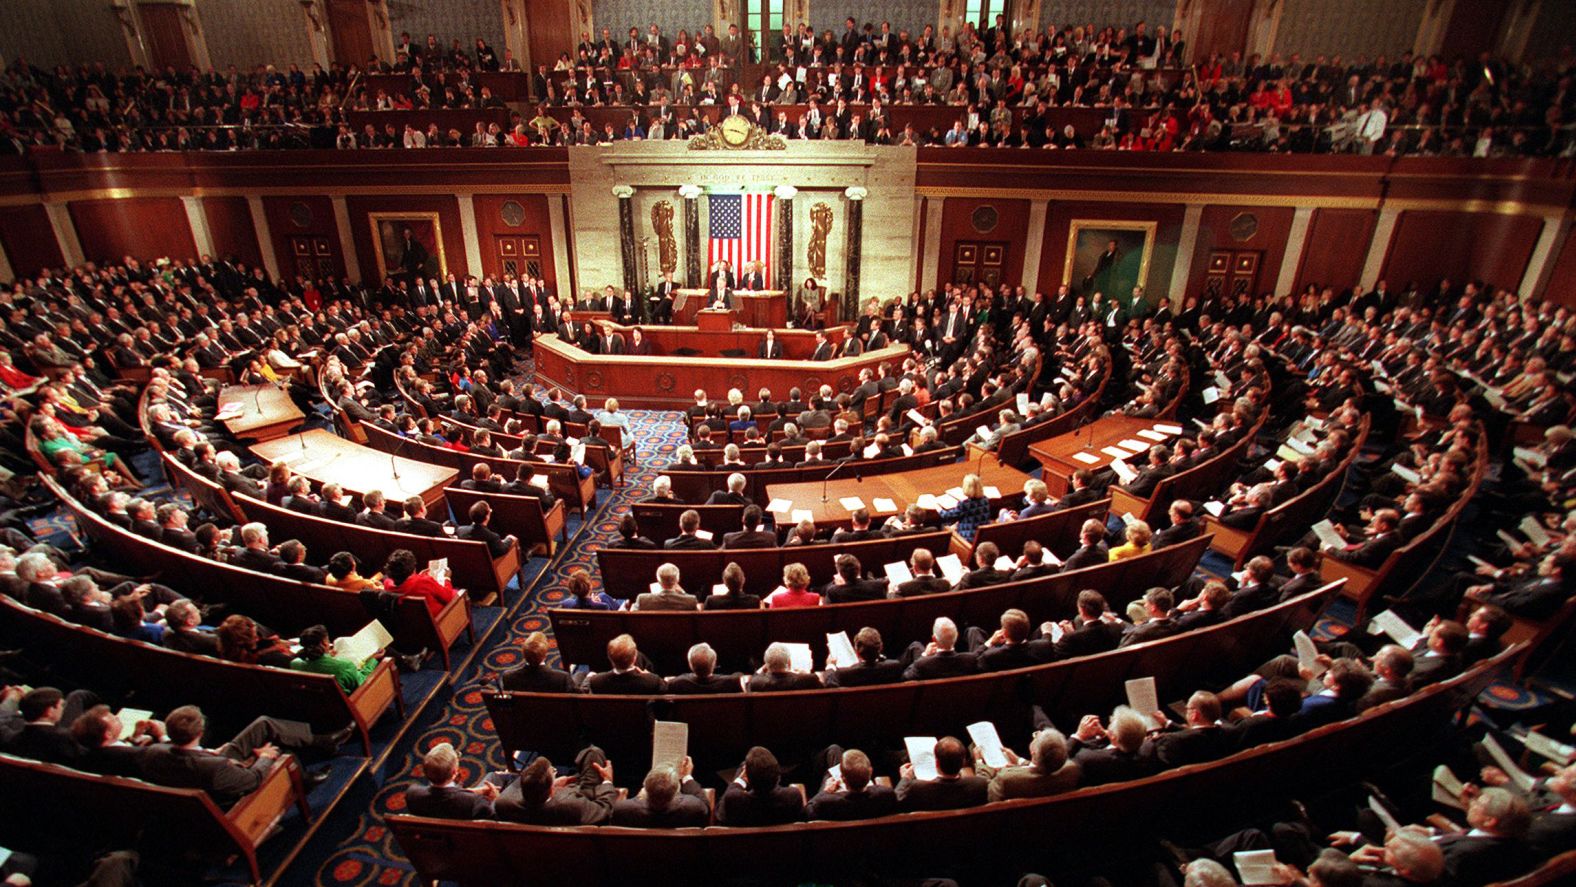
(735, 131)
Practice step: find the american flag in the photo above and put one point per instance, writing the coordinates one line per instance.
(741, 232)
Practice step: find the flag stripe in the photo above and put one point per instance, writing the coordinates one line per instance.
(740, 232)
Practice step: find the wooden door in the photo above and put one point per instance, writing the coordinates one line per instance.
(350, 32)
(166, 32)
(1222, 28)
(1232, 272)
(549, 30)
(520, 255)
(979, 262)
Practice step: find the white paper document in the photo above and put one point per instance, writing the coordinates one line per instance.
(1327, 535)
(984, 433)
(1141, 696)
(840, 650)
(1307, 653)
(1529, 456)
(870, 451)
(669, 744)
(957, 493)
(945, 501)
(128, 718)
(799, 655)
(780, 506)
(915, 416)
(897, 573)
(988, 742)
(1447, 787)
(993, 492)
(1214, 508)
(852, 503)
(1255, 867)
(1534, 531)
(1210, 395)
(1405, 473)
(1023, 403)
(1135, 446)
(922, 754)
(1384, 814)
(1150, 434)
(1172, 430)
(1396, 627)
(1126, 474)
(364, 644)
(884, 506)
(439, 569)
(928, 502)
(1087, 458)
(1005, 564)
(704, 534)
(539, 481)
(1518, 777)
(802, 514)
(950, 567)
(1550, 748)
(1115, 452)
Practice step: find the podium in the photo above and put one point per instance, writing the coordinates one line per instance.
(714, 320)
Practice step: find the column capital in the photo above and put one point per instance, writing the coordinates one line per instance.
(856, 192)
(691, 192)
(623, 192)
(785, 192)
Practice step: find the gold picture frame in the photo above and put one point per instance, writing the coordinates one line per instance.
(1082, 234)
(387, 237)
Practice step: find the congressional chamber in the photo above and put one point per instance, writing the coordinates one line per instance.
(1021, 442)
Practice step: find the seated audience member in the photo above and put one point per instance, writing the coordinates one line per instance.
(849, 585)
(730, 594)
(777, 675)
(540, 797)
(689, 530)
(342, 574)
(1095, 630)
(669, 595)
(403, 577)
(860, 529)
(985, 571)
(415, 520)
(1010, 646)
(757, 797)
(795, 590)
(373, 514)
(1136, 542)
(939, 658)
(669, 798)
(1047, 771)
(533, 674)
(317, 656)
(871, 668)
(1114, 753)
(852, 795)
(481, 530)
(733, 495)
(750, 534)
(235, 769)
(579, 596)
(702, 677)
(624, 676)
(629, 535)
(1092, 550)
(950, 790)
(440, 797)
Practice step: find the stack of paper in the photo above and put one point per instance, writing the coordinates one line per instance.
(1172, 430)
(1327, 535)
(1135, 446)
(993, 492)
(780, 506)
(1214, 508)
(1115, 452)
(364, 644)
(1151, 434)
(1123, 472)
(884, 506)
(928, 502)
(1087, 458)
(852, 503)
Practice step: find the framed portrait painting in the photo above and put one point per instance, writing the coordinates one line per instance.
(1108, 257)
(408, 245)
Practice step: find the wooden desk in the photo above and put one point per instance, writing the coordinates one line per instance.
(323, 457)
(266, 412)
(661, 381)
(903, 488)
(757, 308)
(1058, 453)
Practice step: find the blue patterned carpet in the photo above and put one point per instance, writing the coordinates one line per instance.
(367, 853)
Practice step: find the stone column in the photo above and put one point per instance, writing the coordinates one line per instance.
(197, 220)
(65, 233)
(690, 195)
(1379, 247)
(265, 239)
(1182, 269)
(856, 197)
(315, 17)
(785, 195)
(1544, 255)
(626, 233)
(473, 246)
(347, 243)
(1296, 244)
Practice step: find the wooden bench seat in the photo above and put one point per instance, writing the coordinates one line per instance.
(660, 520)
(1202, 481)
(49, 800)
(740, 636)
(228, 692)
(523, 516)
(284, 605)
(698, 485)
(564, 480)
(472, 853)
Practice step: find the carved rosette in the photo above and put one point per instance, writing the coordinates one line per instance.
(665, 382)
(594, 380)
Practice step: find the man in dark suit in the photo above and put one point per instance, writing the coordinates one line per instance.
(624, 677)
(538, 798)
(333, 506)
(1082, 492)
(777, 674)
(1092, 549)
(1246, 516)
(254, 553)
(823, 348)
(440, 798)
(1113, 753)
(533, 674)
(860, 528)
(733, 495)
(292, 553)
(689, 525)
(481, 516)
(922, 566)
(757, 796)
(872, 667)
(770, 349)
(1442, 659)
(702, 677)
(851, 795)
(374, 515)
(754, 280)
(1304, 565)
(751, 535)
(1162, 622)
(849, 585)
(1092, 632)
(669, 798)
(1158, 469)
(416, 521)
(1201, 738)
(939, 658)
(1382, 539)
(233, 770)
(40, 735)
(950, 790)
(1257, 591)
(1009, 647)
(985, 572)
(1184, 526)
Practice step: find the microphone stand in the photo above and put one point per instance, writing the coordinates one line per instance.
(828, 479)
(393, 462)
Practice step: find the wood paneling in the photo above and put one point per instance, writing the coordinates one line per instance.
(490, 226)
(1222, 28)
(166, 33)
(1429, 245)
(1472, 29)
(285, 223)
(1337, 244)
(549, 29)
(28, 239)
(957, 224)
(144, 227)
(1268, 239)
(1562, 277)
(1168, 232)
(230, 229)
(350, 31)
(447, 208)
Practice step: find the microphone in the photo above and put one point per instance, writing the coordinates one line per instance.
(828, 479)
(393, 462)
(257, 395)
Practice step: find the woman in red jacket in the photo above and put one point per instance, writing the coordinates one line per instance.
(403, 577)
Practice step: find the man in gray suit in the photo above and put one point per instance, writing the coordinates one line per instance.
(668, 596)
(1046, 772)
